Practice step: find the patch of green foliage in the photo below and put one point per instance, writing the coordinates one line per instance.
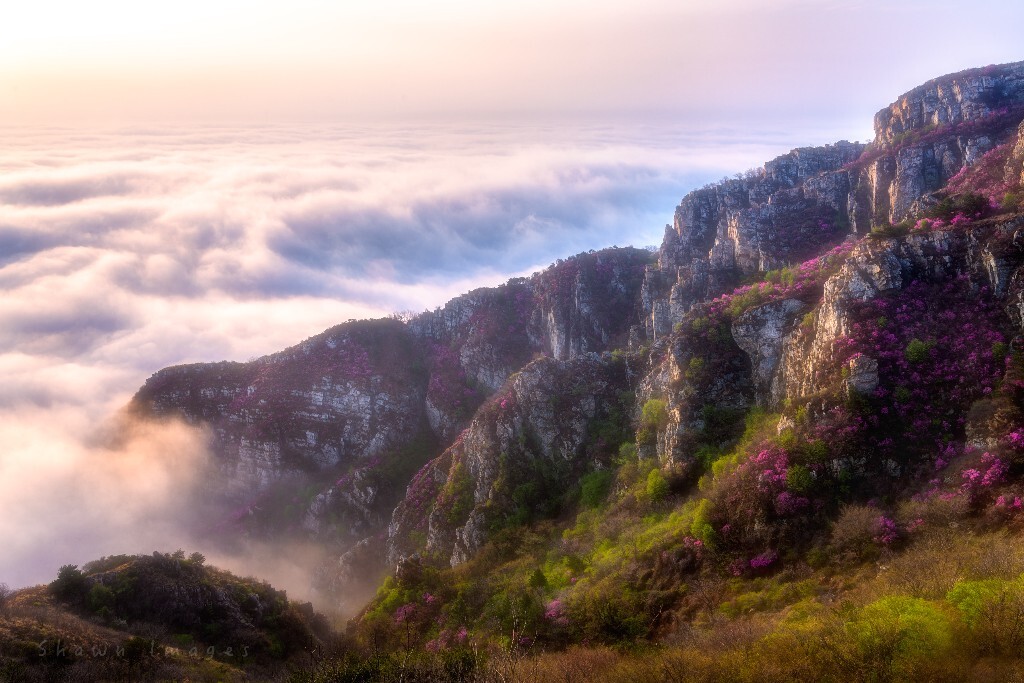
(657, 485)
(594, 487)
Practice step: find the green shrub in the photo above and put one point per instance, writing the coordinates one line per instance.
(627, 452)
(100, 597)
(70, 583)
(653, 417)
(701, 526)
(993, 609)
(654, 412)
(457, 494)
(609, 613)
(594, 487)
(657, 485)
(799, 479)
(898, 636)
(889, 231)
(917, 350)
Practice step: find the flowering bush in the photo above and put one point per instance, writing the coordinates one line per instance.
(937, 351)
(986, 177)
(978, 482)
(556, 614)
(764, 560)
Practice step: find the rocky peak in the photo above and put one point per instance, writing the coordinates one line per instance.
(950, 100)
(805, 200)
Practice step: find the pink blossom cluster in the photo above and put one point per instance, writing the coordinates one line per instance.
(771, 465)
(447, 638)
(991, 472)
(986, 176)
(556, 613)
(1009, 503)
(764, 560)
(405, 613)
(888, 531)
(788, 504)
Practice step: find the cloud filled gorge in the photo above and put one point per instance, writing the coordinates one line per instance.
(124, 252)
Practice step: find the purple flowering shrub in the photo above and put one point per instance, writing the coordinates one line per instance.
(768, 498)
(449, 389)
(803, 229)
(939, 347)
(986, 177)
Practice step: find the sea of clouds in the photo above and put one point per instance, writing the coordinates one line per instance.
(123, 251)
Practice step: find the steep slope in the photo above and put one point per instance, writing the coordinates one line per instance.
(553, 421)
(321, 439)
(824, 361)
(862, 390)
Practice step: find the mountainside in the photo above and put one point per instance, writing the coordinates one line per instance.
(322, 438)
(821, 370)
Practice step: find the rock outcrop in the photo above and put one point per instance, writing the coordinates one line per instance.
(788, 210)
(992, 252)
(523, 451)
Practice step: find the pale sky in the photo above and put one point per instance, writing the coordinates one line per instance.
(115, 61)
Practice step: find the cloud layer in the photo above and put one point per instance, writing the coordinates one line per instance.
(127, 251)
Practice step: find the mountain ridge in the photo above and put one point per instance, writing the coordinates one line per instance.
(835, 334)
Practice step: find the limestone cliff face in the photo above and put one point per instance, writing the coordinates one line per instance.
(962, 97)
(523, 450)
(581, 305)
(323, 437)
(346, 395)
(991, 252)
(927, 135)
(811, 197)
(780, 214)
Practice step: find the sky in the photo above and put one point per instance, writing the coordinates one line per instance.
(211, 179)
(267, 61)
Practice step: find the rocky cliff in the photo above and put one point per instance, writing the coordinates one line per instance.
(796, 228)
(323, 437)
(864, 297)
(552, 422)
(800, 202)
